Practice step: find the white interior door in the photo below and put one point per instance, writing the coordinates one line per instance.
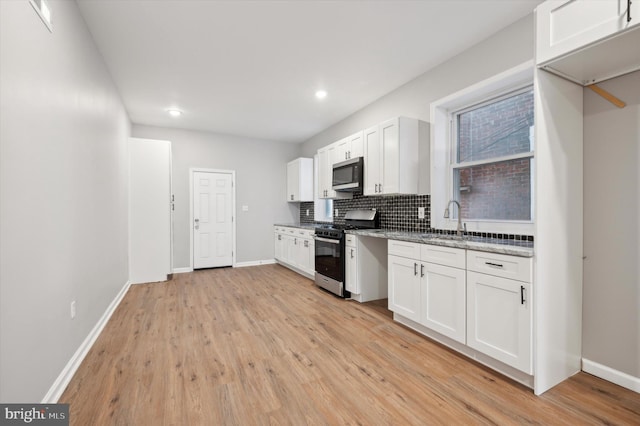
(149, 210)
(212, 219)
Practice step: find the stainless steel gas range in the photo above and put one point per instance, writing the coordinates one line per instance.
(330, 249)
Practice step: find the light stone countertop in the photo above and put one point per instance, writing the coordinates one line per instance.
(491, 245)
(297, 225)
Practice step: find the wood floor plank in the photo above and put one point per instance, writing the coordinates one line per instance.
(264, 346)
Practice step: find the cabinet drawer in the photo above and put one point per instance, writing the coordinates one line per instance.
(500, 265)
(404, 249)
(303, 233)
(350, 240)
(447, 256)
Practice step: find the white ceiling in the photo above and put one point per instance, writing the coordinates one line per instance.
(251, 68)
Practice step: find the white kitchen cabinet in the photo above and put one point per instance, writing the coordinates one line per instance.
(499, 307)
(279, 245)
(295, 249)
(404, 287)
(588, 41)
(443, 299)
(499, 319)
(366, 267)
(327, 157)
(300, 180)
(352, 284)
(350, 147)
(391, 157)
(431, 294)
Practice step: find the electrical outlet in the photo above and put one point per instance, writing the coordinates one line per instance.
(420, 212)
(73, 309)
(307, 212)
(335, 214)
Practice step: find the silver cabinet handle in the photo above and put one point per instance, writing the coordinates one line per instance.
(421, 270)
(380, 187)
(306, 243)
(291, 197)
(352, 253)
(376, 188)
(415, 268)
(197, 223)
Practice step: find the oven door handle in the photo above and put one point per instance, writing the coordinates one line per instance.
(327, 240)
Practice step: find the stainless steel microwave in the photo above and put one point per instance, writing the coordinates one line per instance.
(348, 175)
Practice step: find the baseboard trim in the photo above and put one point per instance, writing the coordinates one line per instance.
(61, 383)
(182, 270)
(254, 263)
(614, 376)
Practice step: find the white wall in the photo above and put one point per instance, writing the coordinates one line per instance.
(611, 315)
(63, 192)
(505, 49)
(260, 184)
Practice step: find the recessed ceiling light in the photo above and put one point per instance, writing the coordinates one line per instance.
(174, 112)
(321, 94)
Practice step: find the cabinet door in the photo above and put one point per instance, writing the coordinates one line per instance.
(305, 257)
(311, 259)
(499, 319)
(293, 181)
(565, 26)
(372, 161)
(404, 287)
(278, 246)
(324, 172)
(356, 145)
(289, 250)
(390, 148)
(351, 270)
(342, 150)
(444, 300)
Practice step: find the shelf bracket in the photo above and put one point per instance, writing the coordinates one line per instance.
(608, 96)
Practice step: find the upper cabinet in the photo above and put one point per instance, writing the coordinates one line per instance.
(300, 180)
(327, 157)
(587, 41)
(350, 147)
(391, 157)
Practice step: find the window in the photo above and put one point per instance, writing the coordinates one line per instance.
(483, 155)
(491, 169)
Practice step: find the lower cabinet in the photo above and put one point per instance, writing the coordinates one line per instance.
(366, 267)
(482, 300)
(404, 287)
(352, 284)
(430, 294)
(443, 300)
(295, 248)
(499, 319)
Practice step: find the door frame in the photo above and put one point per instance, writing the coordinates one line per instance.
(193, 170)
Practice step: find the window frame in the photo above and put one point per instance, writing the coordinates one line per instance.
(444, 146)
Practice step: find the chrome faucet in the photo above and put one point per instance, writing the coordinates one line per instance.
(461, 229)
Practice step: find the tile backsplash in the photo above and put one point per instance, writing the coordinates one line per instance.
(397, 213)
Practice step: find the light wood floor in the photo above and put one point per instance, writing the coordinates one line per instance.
(262, 345)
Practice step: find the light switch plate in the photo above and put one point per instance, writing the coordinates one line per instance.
(420, 212)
